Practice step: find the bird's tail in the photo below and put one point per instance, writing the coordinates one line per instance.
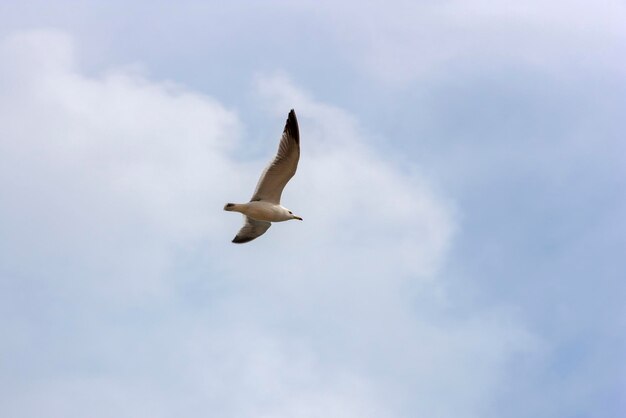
(229, 207)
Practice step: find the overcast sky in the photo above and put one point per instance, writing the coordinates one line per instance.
(462, 184)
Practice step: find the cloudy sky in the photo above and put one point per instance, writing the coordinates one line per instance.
(462, 184)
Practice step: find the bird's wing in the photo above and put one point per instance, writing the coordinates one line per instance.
(250, 230)
(284, 165)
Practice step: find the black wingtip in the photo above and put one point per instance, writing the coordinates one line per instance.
(241, 240)
(291, 126)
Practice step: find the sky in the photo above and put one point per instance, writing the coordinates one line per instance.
(462, 182)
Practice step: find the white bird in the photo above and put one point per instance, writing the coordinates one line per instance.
(264, 206)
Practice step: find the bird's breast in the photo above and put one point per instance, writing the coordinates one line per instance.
(265, 211)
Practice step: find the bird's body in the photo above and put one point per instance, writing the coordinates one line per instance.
(262, 211)
(264, 207)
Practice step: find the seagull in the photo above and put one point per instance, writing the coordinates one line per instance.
(264, 207)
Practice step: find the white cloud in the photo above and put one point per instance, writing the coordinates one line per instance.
(98, 168)
(136, 300)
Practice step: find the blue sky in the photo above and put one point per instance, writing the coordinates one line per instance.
(462, 182)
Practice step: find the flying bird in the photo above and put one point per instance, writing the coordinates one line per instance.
(264, 207)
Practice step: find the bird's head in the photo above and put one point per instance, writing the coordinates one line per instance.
(294, 216)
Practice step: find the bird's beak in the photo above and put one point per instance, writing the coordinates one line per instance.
(297, 217)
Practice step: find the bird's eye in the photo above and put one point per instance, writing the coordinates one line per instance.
(290, 213)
